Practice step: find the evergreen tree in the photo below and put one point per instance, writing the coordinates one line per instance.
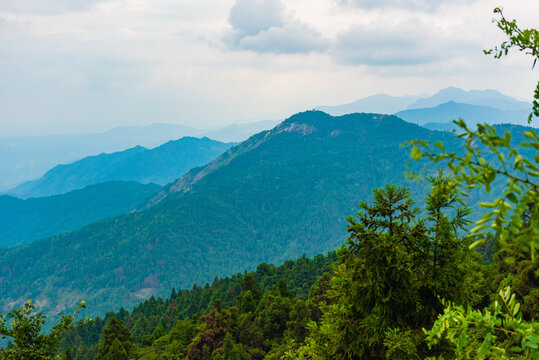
(116, 341)
(392, 271)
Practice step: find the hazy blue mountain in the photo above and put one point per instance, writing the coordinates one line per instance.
(27, 158)
(386, 104)
(473, 114)
(159, 165)
(278, 195)
(24, 221)
(489, 98)
(379, 104)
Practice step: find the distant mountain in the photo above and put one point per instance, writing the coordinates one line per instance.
(278, 195)
(24, 221)
(386, 104)
(379, 104)
(26, 158)
(159, 165)
(489, 98)
(473, 114)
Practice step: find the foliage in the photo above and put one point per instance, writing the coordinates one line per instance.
(259, 302)
(117, 343)
(24, 329)
(392, 272)
(502, 331)
(496, 334)
(526, 40)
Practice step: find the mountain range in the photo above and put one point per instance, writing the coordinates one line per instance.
(28, 158)
(386, 104)
(24, 221)
(473, 114)
(159, 165)
(280, 194)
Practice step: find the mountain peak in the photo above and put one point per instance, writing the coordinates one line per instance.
(312, 125)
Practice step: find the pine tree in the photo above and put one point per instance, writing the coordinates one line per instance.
(116, 341)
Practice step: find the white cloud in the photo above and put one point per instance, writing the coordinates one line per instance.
(250, 17)
(263, 26)
(408, 42)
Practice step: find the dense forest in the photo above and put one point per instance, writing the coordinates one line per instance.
(408, 283)
(24, 221)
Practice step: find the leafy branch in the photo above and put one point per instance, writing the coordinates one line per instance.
(526, 40)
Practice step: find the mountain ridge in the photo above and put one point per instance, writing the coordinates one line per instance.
(159, 165)
(473, 114)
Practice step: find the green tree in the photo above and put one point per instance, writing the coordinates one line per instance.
(24, 331)
(116, 341)
(393, 269)
(501, 331)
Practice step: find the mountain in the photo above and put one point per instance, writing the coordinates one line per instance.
(380, 103)
(473, 114)
(159, 165)
(26, 158)
(386, 104)
(489, 98)
(280, 194)
(24, 221)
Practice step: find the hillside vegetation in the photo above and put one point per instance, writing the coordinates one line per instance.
(24, 221)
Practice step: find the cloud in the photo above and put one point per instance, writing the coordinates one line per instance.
(413, 5)
(250, 17)
(263, 26)
(291, 38)
(47, 7)
(410, 42)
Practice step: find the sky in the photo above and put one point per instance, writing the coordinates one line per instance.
(79, 66)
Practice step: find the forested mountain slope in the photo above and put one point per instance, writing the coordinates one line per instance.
(159, 165)
(163, 314)
(280, 194)
(24, 221)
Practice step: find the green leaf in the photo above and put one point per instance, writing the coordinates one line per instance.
(416, 153)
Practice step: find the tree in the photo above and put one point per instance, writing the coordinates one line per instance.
(209, 342)
(24, 330)
(499, 332)
(393, 269)
(117, 342)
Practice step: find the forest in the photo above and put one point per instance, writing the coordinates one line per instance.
(410, 282)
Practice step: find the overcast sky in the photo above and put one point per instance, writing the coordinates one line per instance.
(89, 65)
